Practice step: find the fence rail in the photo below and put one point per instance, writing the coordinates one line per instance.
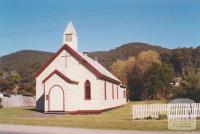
(173, 111)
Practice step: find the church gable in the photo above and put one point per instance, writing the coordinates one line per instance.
(61, 76)
(81, 60)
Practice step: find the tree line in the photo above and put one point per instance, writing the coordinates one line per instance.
(147, 76)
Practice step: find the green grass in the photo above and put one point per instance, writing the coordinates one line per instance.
(120, 118)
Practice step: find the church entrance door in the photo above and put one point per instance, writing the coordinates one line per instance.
(56, 99)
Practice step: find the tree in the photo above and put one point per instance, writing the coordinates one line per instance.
(196, 57)
(180, 59)
(15, 79)
(1, 74)
(190, 86)
(146, 58)
(158, 81)
(136, 84)
(122, 68)
(137, 77)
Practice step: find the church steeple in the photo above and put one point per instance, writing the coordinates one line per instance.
(70, 36)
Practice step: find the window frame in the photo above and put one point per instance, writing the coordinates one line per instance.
(113, 92)
(85, 90)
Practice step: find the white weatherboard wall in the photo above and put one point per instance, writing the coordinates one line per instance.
(109, 101)
(74, 94)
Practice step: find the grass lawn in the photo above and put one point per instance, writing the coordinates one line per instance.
(120, 118)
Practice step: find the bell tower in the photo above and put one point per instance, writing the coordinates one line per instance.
(70, 37)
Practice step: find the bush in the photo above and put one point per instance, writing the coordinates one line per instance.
(162, 117)
(148, 118)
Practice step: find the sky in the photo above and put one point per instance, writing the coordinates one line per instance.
(100, 24)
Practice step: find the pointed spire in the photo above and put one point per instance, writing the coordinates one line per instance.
(70, 29)
(70, 37)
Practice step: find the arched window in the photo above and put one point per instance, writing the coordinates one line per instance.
(87, 87)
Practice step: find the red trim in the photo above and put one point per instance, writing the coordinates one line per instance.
(84, 112)
(87, 98)
(61, 75)
(117, 92)
(113, 96)
(81, 60)
(105, 92)
(63, 97)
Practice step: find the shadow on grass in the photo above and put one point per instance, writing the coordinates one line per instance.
(33, 110)
(30, 109)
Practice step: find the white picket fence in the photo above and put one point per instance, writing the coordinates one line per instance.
(173, 111)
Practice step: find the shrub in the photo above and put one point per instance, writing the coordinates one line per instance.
(162, 117)
(148, 118)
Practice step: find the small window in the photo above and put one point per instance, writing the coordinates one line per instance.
(87, 90)
(68, 37)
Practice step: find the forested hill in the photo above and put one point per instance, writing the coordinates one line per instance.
(24, 61)
(125, 51)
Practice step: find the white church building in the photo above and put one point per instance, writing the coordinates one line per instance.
(71, 82)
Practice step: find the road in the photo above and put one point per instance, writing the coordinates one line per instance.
(20, 129)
